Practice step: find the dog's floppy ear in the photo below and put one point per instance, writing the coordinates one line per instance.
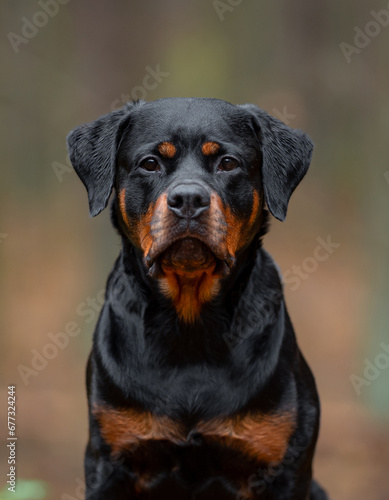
(92, 150)
(286, 155)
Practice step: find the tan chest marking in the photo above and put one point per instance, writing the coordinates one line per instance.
(262, 437)
(123, 429)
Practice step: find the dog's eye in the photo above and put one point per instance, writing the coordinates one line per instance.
(227, 164)
(150, 164)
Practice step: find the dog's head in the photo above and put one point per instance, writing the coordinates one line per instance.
(191, 177)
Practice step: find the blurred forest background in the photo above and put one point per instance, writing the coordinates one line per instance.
(319, 66)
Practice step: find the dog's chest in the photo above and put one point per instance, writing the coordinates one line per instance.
(263, 437)
(230, 444)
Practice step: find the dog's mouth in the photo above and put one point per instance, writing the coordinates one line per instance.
(188, 254)
(189, 257)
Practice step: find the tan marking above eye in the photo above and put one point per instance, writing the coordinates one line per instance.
(167, 149)
(210, 148)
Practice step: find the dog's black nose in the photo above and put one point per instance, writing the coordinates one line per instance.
(188, 200)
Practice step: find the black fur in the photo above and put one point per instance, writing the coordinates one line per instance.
(286, 157)
(240, 356)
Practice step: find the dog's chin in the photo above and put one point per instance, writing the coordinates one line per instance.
(188, 257)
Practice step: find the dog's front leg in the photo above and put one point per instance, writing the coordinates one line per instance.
(107, 476)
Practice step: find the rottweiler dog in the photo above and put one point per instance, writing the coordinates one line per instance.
(196, 386)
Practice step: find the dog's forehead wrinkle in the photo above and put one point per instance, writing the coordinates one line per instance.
(191, 131)
(187, 117)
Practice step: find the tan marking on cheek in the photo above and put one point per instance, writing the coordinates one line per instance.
(131, 224)
(238, 230)
(262, 437)
(234, 231)
(122, 206)
(139, 229)
(210, 148)
(167, 149)
(144, 230)
(153, 228)
(255, 208)
(218, 224)
(255, 214)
